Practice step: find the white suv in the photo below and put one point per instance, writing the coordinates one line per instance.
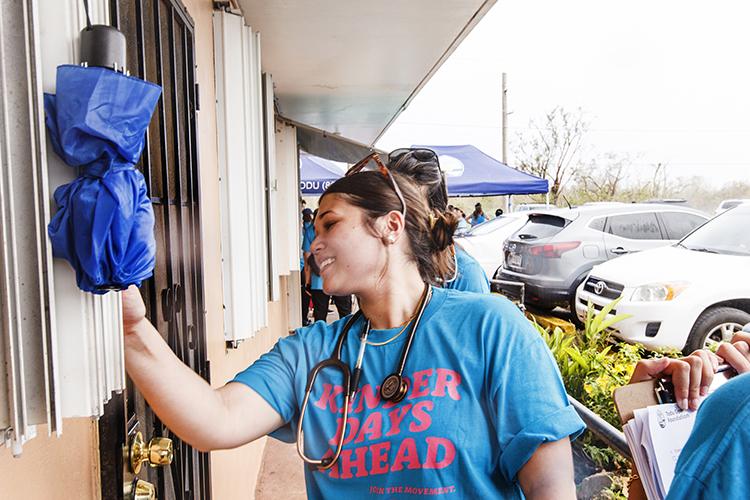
(685, 296)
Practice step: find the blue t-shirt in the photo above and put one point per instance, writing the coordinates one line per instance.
(308, 235)
(478, 219)
(316, 282)
(484, 393)
(470, 276)
(714, 461)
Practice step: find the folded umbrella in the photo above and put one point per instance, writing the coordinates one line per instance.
(104, 225)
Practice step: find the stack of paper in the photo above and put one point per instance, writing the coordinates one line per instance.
(656, 436)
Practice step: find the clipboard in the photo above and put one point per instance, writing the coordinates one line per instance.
(631, 397)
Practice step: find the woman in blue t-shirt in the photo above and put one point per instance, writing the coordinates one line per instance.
(425, 391)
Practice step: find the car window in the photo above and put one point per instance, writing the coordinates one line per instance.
(598, 224)
(731, 204)
(679, 224)
(723, 234)
(642, 226)
(541, 226)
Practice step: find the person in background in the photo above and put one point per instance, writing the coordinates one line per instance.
(463, 226)
(714, 461)
(422, 165)
(320, 299)
(307, 237)
(477, 217)
(498, 212)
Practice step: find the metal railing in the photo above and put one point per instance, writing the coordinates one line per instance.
(602, 429)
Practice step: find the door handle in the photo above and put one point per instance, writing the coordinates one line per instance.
(158, 452)
(139, 490)
(619, 251)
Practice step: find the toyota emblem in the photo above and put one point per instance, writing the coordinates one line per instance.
(599, 287)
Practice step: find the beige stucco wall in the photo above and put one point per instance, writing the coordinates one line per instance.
(65, 467)
(234, 472)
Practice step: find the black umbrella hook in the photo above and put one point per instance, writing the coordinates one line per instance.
(88, 18)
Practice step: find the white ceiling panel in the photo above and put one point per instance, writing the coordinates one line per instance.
(350, 67)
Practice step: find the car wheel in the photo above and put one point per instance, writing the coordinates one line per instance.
(573, 316)
(715, 325)
(572, 301)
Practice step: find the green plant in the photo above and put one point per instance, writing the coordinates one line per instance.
(592, 366)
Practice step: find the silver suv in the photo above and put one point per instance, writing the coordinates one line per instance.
(554, 251)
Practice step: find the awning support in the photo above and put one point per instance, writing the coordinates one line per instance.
(330, 146)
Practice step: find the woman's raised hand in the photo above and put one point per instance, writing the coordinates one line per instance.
(133, 309)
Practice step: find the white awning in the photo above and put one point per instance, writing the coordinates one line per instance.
(350, 67)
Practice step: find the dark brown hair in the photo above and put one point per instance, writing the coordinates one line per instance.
(430, 233)
(427, 174)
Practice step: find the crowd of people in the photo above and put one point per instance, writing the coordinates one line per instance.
(434, 386)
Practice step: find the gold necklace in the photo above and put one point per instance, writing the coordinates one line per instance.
(408, 322)
(425, 295)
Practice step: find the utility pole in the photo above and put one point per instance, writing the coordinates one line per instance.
(505, 119)
(505, 131)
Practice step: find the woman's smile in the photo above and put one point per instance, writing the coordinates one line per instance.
(327, 262)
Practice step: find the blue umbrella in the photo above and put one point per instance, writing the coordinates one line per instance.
(104, 225)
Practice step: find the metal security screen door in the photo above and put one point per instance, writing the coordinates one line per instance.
(160, 41)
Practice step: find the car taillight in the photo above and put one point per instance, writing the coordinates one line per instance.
(554, 250)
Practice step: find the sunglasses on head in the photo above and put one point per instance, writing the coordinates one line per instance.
(421, 154)
(375, 158)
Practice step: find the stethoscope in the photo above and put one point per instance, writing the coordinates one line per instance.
(393, 388)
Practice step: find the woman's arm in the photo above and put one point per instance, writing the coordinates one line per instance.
(549, 472)
(206, 418)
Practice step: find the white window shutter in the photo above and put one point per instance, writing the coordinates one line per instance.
(239, 111)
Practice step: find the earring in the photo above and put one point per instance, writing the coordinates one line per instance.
(391, 239)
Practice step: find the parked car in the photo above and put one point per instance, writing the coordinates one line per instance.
(727, 204)
(485, 241)
(685, 296)
(555, 250)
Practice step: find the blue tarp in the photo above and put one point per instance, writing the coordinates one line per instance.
(316, 174)
(104, 225)
(470, 172)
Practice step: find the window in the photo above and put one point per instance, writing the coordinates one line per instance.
(541, 226)
(635, 226)
(598, 224)
(679, 224)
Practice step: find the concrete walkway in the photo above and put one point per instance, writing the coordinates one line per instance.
(282, 473)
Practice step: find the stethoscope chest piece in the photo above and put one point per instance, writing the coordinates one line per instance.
(394, 388)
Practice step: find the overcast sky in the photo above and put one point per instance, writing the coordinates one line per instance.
(661, 81)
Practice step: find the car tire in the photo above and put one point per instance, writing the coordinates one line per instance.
(719, 323)
(572, 300)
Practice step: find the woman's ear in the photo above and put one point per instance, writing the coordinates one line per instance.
(394, 223)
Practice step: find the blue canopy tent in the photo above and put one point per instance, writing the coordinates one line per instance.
(316, 174)
(470, 172)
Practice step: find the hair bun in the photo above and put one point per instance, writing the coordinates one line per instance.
(442, 230)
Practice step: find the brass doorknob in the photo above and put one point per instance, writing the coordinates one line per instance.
(141, 490)
(158, 452)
